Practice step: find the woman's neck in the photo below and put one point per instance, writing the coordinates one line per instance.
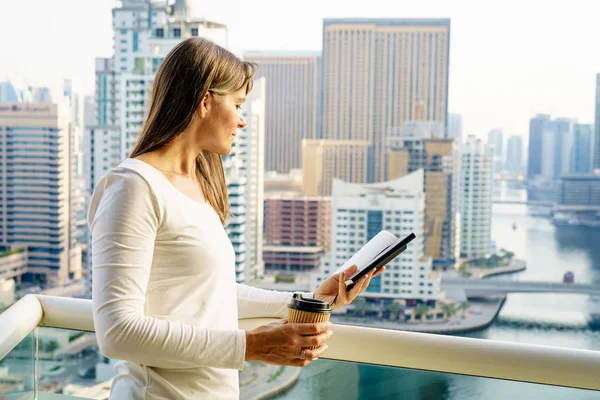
(177, 158)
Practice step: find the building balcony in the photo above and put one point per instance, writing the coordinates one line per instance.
(33, 366)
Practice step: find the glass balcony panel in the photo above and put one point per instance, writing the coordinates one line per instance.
(71, 366)
(327, 379)
(18, 370)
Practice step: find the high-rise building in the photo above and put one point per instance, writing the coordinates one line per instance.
(361, 211)
(291, 104)
(74, 94)
(323, 160)
(550, 147)
(514, 154)
(379, 73)
(535, 150)
(252, 140)
(454, 127)
(582, 143)
(144, 32)
(244, 171)
(421, 146)
(579, 193)
(14, 90)
(36, 177)
(476, 198)
(596, 142)
(496, 142)
(297, 231)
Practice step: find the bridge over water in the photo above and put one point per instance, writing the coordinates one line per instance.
(488, 287)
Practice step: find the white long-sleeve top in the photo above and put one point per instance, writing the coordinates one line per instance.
(165, 299)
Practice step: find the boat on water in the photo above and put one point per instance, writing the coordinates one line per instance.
(569, 277)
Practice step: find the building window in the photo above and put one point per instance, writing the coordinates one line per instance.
(194, 31)
(177, 32)
(160, 32)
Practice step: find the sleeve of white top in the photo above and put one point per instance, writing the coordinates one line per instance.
(124, 217)
(260, 303)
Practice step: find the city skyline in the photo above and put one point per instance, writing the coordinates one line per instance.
(525, 79)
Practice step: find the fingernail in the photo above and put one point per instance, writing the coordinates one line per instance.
(326, 347)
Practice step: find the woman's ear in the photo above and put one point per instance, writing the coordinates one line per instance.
(205, 104)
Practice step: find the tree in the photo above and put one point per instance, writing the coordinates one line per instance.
(360, 306)
(463, 269)
(395, 309)
(449, 309)
(421, 309)
(49, 346)
(463, 306)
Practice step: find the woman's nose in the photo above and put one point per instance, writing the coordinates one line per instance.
(242, 123)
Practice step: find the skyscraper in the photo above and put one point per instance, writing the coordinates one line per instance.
(78, 211)
(291, 105)
(496, 142)
(144, 31)
(244, 173)
(476, 198)
(421, 145)
(360, 211)
(582, 143)
(596, 144)
(379, 73)
(536, 135)
(252, 141)
(514, 154)
(323, 160)
(35, 207)
(297, 231)
(550, 147)
(454, 127)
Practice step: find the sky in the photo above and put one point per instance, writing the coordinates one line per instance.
(509, 59)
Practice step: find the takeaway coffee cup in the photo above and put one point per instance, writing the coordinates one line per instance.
(301, 310)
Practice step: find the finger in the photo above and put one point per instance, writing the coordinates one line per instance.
(313, 354)
(342, 294)
(314, 341)
(379, 271)
(312, 328)
(351, 270)
(358, 287)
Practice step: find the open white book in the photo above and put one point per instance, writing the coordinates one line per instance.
(370, 250)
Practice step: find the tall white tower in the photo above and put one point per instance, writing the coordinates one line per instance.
(476, 198)
(244, 173)
(144, 31)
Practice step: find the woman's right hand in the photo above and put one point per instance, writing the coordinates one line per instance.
(281, 342)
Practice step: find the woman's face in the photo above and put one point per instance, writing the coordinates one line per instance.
(222, 120)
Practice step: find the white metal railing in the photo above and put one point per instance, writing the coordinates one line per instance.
(457, 355)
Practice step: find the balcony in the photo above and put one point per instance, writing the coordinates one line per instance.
(549, 372)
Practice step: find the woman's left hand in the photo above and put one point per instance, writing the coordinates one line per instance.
(333, 289)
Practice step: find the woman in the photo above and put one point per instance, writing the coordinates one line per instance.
(165, 300)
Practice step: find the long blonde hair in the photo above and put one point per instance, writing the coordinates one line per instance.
(194, 67)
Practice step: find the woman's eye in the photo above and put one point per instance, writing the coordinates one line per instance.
(238, 107)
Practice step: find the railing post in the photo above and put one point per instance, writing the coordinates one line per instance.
(19, 321)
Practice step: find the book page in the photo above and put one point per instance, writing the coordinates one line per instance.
(370, 250)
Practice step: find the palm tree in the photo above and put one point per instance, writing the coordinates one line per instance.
(421, 309)
(463, 306)
(449, 309)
